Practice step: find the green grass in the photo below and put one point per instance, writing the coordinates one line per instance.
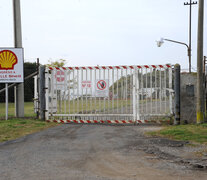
(78, 106)
(192, 133)
(28, 110)
(15, 128)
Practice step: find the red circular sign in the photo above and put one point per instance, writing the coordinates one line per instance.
(60, 76)
(101, 85)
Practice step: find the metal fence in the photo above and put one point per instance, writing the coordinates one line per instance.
(29, 72)
(108, 93)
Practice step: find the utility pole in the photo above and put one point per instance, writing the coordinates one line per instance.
(190, 20)
(200, 84)
(19, 89)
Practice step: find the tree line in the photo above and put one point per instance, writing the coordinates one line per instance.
(29, 68)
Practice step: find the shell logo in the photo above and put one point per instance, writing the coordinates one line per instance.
(7, 59)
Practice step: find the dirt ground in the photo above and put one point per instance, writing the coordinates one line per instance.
(93, 152)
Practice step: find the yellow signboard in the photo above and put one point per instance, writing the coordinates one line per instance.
(11, 65)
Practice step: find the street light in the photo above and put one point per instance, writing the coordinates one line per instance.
(161, 41)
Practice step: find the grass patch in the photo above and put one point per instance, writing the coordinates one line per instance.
(193, 133)
(28, 110)
(15, 128)
(91, 105)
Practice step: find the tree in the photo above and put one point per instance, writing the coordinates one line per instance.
(57, 63)
(29, 68)
(72, 83)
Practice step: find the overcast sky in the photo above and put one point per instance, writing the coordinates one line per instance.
(104, 32)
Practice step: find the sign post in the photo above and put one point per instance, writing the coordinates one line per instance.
(6, 99)
(11, 68)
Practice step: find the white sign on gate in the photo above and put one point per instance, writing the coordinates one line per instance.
(11, 65)
(86, 84)
(102, 88)
(60, 79)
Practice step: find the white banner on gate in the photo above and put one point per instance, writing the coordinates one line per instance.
(86, 84)
(102, 87)
(11, 65)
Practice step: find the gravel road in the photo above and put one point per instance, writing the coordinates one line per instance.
(93, 152)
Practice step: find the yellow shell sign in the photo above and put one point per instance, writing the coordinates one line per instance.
(7, 60)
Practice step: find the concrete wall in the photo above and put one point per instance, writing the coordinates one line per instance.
(188, 97)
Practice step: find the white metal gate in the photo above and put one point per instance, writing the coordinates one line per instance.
(113, 94)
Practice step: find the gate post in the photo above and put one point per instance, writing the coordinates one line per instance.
(42, 92)
(171, 92)
(177, 95)
(135, 96)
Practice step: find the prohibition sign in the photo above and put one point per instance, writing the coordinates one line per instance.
(101, 85)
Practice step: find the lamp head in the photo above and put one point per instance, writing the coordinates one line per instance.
(160, 42)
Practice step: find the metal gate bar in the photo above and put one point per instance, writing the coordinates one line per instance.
(127, 93)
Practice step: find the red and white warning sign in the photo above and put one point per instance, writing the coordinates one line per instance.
(102, 88)
(86, 84)
(60, 80)
(101, 85)
(60, 76)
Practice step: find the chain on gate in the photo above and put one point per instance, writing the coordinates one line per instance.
(108, 94)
